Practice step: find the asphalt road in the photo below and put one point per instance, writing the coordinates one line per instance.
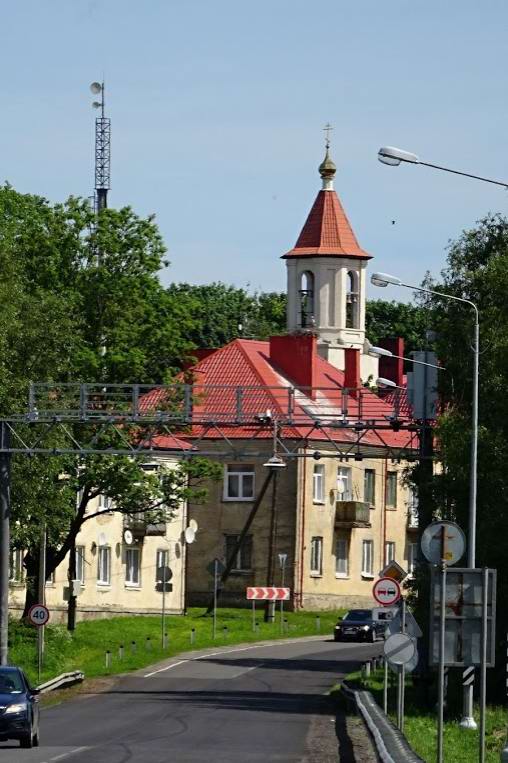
(245, 704)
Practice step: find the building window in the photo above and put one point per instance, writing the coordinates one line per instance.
(412, 507)
(307, 318)
(318, 483)
(341, 558)
(132, 567)
(369, 486)
(316, 556)
(352, 300)
(389, 551)
(105, 503)
(243, 557)
(412, 557)
(391, 489)
(239, 482)
(16, 569)
(51, 579)
(368, 558)
(104, 565)
(344, 483)
(80, 564)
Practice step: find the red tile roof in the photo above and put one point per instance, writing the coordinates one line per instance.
(327, 232)
(245, 365)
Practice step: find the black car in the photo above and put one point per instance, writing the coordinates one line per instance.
(359, 625)
(19, 708)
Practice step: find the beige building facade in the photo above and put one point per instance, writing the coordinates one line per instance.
(115, 577)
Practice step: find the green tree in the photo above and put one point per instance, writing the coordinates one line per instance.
(397, 319)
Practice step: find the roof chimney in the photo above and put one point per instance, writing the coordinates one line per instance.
(352, 368)
(296, 357)
(392, 368)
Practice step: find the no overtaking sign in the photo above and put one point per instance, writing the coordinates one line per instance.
(386, 591)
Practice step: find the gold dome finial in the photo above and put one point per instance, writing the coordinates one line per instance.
(327, 168)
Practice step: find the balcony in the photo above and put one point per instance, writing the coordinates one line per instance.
(140, 528)
(352, 514)
(412, 518)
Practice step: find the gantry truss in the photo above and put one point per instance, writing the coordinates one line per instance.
(212, 420)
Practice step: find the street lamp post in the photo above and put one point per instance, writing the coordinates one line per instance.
(383, 279)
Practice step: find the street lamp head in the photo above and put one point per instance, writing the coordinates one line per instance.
(377, 352)
(275, 462)
(383, 279)
(385, 382)
(394, 156)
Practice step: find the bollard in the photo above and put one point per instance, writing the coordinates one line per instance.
(164, 640)
(148, 643)
(286, 626)
(367, 670)
(134, 647)
(318, 624)
(225, 631)
(192, 635)
(120, 652)
(257, 628)
(108, 659)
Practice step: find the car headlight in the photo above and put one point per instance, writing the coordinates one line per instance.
(365, 627)
(19, 708)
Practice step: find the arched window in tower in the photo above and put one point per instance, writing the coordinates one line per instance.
(352, 300)
(307, 319)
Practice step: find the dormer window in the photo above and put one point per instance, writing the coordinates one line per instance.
(352, 300)
(307, 318)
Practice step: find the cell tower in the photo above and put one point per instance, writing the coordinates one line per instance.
(102, 150)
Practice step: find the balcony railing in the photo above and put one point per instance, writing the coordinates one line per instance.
(352, 514)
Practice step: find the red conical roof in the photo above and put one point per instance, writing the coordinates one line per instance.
(327, 232)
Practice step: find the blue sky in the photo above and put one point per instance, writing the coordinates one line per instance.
(217, 112)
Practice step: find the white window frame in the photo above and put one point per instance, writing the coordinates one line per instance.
(370, 499)
(389, 551)
(318, 484)
(391, 480)
(316, 556)
(247, 471)
(367, 558)
(16, 569)
(344, 473)
(130, 568)
(105, 502)
(80, 564)
(103, 551)
(341, 557)
(412, 558)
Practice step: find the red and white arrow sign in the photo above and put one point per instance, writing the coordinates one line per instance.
(270, 594)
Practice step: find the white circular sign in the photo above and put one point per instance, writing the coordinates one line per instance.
(399, 649)
(386, 591)
(443, 541)
(38, 614)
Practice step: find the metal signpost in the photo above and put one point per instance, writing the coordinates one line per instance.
(215, 568)
(266, 593)
(282, 564)
(38, 615)
(164, 575)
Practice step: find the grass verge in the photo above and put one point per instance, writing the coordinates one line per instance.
(141, 638)
(420, 727)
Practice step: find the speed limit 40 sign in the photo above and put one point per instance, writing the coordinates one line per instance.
(38, 614)
(386, 591)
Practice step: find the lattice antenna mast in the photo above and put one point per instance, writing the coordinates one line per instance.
(102, 149)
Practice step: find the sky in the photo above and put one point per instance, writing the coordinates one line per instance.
(218, 111)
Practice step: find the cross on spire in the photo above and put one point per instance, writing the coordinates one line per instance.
(327, 129)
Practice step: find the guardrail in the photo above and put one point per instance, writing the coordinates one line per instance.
(61, 681)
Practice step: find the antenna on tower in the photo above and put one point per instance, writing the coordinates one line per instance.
(102, 149)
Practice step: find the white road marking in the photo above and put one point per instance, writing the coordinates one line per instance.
(67, 754)
(230, 651)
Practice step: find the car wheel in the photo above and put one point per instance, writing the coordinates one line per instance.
(26, 741)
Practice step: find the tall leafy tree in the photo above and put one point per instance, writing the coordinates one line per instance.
(397, 319)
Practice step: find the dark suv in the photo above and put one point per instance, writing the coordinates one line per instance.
(359, 625)
(19, 709)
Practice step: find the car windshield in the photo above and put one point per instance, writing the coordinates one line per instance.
(11, 682)
(358, 614)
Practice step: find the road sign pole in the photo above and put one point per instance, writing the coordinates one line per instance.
(283, 566)
(385, 687)
(42, 598)
(253, 615)
(163, 619)
(5, 470)
(215, 576)
(403, 669)
(440, 702)
(483, 665)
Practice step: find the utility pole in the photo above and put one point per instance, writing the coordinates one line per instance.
(5, 549)
(272, 541)
(102, 149)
